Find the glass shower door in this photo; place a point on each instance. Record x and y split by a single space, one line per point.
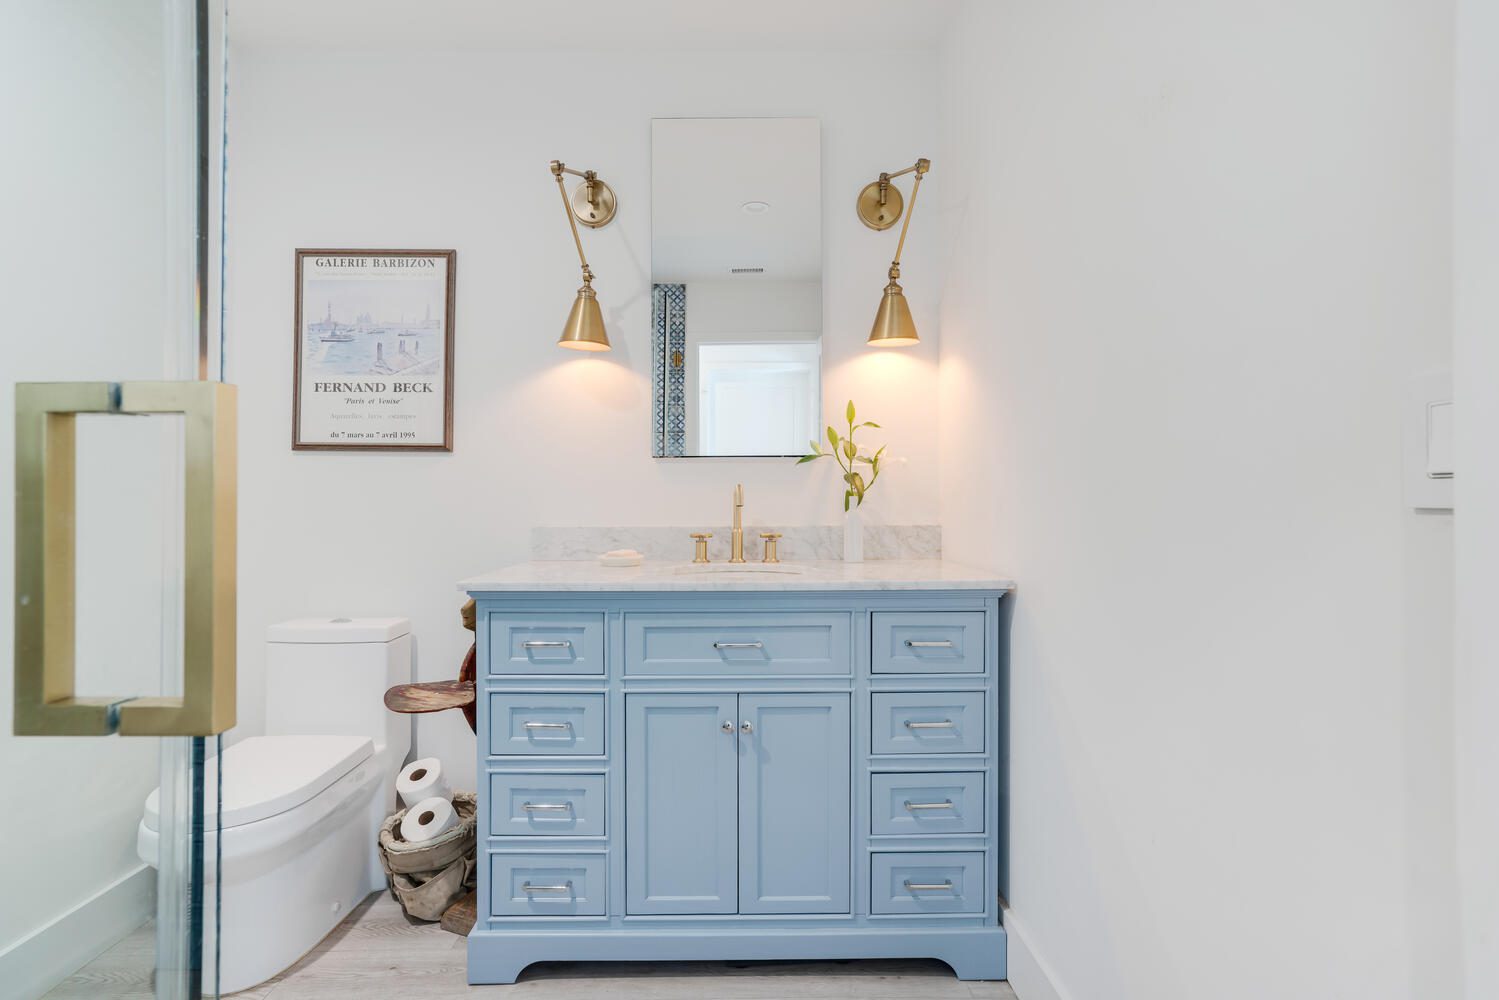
117 472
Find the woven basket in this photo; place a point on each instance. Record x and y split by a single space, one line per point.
429 877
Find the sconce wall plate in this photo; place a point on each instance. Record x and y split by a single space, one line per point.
594 208
877 213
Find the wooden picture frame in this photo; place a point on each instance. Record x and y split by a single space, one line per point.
364 374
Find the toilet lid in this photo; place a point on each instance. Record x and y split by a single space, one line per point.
267 775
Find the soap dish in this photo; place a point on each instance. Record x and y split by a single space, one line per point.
621 557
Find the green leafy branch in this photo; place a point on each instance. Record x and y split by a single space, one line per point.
843 448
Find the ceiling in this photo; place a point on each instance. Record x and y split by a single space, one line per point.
704 171
654 25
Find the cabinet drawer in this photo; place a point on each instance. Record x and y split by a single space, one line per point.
927 642
546 805
927 882
542 724
753 643
546 644
543 885
938 802
928 722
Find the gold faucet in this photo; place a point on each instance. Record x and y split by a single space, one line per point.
736 542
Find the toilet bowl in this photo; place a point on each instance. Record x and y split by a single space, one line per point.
293 847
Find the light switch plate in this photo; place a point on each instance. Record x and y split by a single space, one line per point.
1439 440
1428 441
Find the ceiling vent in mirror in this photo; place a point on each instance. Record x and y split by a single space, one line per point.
746 270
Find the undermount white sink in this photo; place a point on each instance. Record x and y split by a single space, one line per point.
714 569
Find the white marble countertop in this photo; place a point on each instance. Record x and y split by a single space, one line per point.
653 576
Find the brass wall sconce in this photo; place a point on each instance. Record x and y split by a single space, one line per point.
880 206
593 204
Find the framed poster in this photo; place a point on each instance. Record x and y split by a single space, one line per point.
374 351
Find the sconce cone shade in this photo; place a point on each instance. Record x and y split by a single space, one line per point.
585 324
893 325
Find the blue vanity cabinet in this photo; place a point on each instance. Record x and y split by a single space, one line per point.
736 775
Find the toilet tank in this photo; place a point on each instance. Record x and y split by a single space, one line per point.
329 676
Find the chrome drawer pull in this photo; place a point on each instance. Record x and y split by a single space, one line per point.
944 724
929 643
546 644
928 886
546 725
564 887
739 645
913 806
547 806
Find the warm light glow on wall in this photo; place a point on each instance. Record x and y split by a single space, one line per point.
880 372
587 379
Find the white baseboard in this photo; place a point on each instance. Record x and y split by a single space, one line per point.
1028 973
50 954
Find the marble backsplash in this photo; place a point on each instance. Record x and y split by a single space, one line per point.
805 543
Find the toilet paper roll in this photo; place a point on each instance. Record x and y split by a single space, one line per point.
422 779
428 819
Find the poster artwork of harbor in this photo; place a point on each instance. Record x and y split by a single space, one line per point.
372 348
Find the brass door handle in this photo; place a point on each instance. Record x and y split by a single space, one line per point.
46 543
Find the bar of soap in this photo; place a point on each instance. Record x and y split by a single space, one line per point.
621 557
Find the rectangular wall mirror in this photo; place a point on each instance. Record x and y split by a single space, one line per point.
736 286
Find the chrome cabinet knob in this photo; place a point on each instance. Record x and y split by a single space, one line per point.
727 726
746 727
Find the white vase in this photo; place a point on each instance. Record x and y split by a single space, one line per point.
853 535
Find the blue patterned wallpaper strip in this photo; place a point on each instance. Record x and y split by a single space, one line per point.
676 371
658 371
669 379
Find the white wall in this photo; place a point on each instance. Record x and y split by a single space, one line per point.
1196 249
1475 361
450 150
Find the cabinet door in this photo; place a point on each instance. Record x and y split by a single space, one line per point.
681 803
794 837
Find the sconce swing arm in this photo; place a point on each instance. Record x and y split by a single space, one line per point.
919 168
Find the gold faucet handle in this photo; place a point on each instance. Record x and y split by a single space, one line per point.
771 537
700 550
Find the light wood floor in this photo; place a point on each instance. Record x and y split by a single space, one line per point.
377 953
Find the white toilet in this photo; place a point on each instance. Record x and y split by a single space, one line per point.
302 805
